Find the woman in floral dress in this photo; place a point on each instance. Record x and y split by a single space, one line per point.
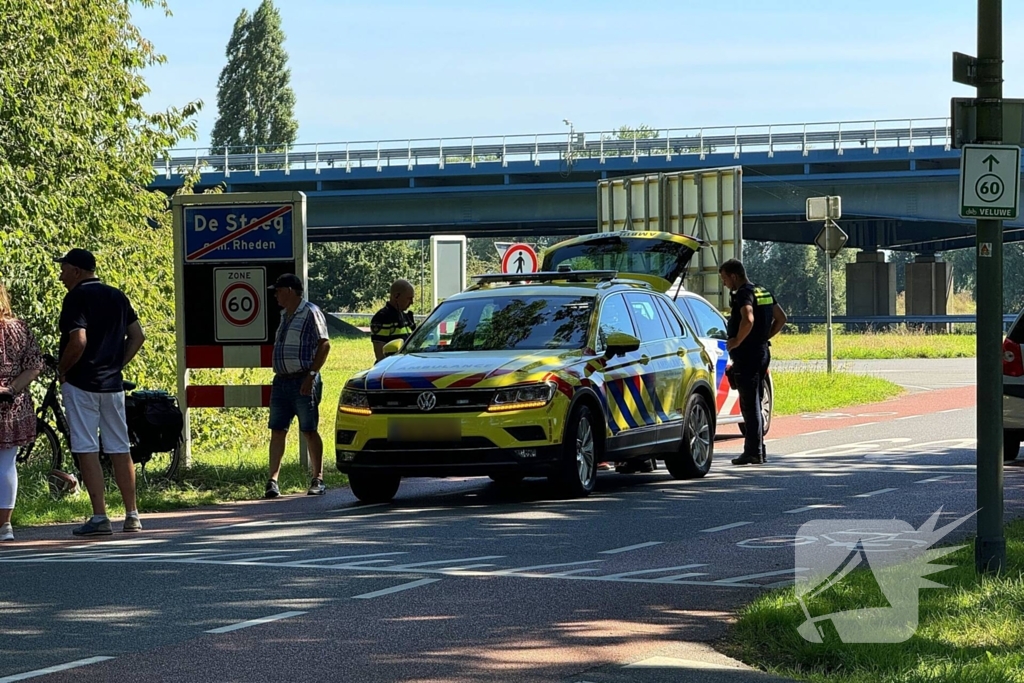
20 364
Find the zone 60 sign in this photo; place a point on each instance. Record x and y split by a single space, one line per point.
239 297
989 181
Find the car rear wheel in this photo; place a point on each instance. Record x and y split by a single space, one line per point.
580 447
1011 445
766 409
697 449
374 487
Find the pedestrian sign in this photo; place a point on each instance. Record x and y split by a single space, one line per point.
519 258
990 181
241 309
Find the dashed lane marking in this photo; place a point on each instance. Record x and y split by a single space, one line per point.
255 622
395 589
874 493
934 479
638 546
53 669
808 508
724 527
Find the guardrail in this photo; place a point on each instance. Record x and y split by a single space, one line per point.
567 148
880 320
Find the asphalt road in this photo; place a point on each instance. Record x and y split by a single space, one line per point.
458 580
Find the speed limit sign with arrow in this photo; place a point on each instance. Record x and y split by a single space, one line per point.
240 304
990 181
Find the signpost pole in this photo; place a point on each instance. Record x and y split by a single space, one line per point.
990 548
828 298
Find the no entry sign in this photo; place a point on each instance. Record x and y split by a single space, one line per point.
519 258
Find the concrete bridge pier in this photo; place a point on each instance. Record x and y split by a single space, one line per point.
929 288
870 285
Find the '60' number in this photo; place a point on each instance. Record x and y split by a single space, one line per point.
989 187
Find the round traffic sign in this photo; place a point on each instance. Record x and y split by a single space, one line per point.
240 304
990 187
519 258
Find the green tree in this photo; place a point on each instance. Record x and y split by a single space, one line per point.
796 274
965 274
76 155
356 276
255 101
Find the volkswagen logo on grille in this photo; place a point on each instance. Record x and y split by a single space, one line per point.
426 401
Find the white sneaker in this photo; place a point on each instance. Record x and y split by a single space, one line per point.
6 532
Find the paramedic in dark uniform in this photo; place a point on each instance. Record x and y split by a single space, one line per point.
754 319
395 320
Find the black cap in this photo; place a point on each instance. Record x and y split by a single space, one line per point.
287 281
79 258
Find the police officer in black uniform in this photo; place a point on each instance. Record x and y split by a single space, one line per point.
394 320
755 318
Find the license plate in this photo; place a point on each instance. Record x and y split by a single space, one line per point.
436 429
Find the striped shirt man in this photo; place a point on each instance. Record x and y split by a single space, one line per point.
298 338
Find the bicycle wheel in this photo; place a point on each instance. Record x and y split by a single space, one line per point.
45 448
164 465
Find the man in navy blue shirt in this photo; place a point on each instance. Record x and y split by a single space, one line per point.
99 334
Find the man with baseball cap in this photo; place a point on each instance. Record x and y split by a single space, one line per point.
300 350
99 334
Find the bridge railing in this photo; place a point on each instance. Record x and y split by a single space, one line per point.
500 150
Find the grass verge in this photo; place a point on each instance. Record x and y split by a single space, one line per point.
970 632
867 346
811 391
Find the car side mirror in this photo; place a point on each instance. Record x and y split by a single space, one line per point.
393 347
620 343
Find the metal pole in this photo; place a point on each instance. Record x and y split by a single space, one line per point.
990 548
828 297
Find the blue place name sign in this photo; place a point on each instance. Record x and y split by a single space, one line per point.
243 232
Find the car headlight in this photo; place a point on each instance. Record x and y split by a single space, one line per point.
523 397
354 402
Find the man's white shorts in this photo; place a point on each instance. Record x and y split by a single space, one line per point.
93 416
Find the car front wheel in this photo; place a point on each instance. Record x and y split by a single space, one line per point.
580 447
697 448
374 487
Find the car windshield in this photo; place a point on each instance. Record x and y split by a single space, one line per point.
662 258
504 322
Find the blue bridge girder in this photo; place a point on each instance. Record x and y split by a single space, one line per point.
898 180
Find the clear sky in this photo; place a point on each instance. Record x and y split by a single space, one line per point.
395 69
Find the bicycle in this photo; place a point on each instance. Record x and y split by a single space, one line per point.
48 445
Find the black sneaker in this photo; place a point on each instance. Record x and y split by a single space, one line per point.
272 490
744 460
316 487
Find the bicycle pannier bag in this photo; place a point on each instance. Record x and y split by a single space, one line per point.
154 421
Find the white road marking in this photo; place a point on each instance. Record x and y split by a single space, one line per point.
545 566
357 508
724 527
303 563
867 424
747 577
616 551
908 417
671 579
395 589
874 493
951 410
820 431
652 571
255 622
414 565
934 479
808 508
53 669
